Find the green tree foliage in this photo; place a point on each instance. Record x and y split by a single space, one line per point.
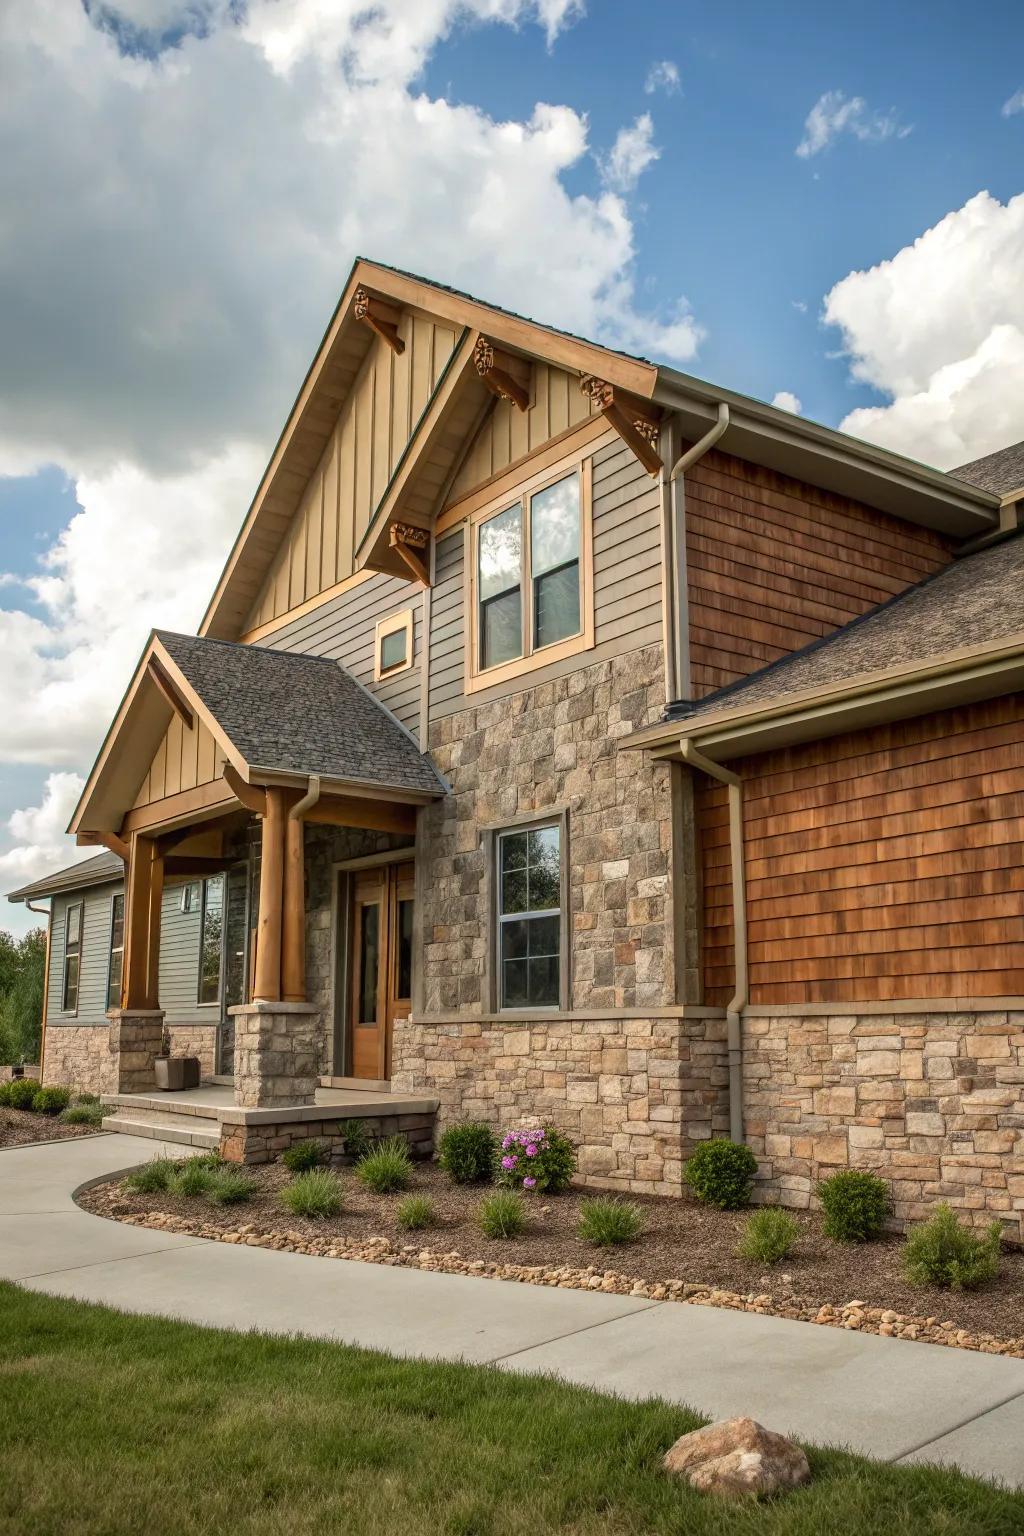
22 964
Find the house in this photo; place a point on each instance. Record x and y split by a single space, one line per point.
570 739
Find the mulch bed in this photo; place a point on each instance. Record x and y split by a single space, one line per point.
20 1128
685 1246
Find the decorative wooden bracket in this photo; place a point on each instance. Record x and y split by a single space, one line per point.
409 544
638 430
496 369
170 692
251 795
380 317
105 840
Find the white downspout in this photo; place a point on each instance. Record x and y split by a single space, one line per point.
734 1010
678 674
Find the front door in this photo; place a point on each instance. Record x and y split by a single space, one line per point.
381 970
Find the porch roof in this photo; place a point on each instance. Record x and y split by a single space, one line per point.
99 870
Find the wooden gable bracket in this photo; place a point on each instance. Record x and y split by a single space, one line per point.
110 840
497 370
637 427
410 544
380 317
252 796
170 692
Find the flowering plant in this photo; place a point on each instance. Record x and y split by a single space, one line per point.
538 1158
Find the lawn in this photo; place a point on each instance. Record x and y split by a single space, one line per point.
113 1424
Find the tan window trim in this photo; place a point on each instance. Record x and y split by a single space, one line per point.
391 626
477 678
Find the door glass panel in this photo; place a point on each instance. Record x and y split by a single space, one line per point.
212 939
369 963
404 967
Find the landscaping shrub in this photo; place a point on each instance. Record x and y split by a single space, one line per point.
768 1235
721 1173
5 1095
304 1156
151 1178
942 1251
22 1091
314 1193
87 1098
606 1220
83 1114
467 1153
192 1176
502 1214
228 1186
356 1140
387 1168
416 1212
540 1159
855 1205
50 1101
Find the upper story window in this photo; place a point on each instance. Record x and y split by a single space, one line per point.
72 957
211 946
530 902
116 960
531 585
393 645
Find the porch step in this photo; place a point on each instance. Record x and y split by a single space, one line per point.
165 1106
177 1130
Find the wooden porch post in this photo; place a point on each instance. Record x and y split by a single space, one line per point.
293 958
269 927
156 897
135 990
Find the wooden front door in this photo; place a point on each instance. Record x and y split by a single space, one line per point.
381 968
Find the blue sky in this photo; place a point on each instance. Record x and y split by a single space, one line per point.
188 207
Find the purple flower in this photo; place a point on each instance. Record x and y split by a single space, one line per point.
529 1183
531 1150
509 1162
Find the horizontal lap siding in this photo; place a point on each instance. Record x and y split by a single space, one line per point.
344 629
774 564
881 865
179 963
95 957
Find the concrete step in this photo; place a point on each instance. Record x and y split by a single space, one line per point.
165 1105
177 1130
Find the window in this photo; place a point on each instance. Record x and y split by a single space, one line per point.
529 905
189 898
530 582
72 957
393 649
211 944
116 960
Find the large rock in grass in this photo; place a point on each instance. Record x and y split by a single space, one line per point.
737 1457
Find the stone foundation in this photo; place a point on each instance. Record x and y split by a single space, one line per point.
932 1102
277 1053
635 1094
265 1143
133 1044
77 1056
195 1040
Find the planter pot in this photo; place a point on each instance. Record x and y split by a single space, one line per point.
176 1072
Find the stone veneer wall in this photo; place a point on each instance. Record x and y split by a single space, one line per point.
263 1143
635 1094
78 1056
195 1040
933 1102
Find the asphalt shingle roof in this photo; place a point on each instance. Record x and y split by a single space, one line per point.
977 599
999 472
301 714
95 871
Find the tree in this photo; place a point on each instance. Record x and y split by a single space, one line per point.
22 969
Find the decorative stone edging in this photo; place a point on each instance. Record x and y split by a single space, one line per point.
854 1315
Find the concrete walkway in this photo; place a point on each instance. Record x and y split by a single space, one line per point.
887 1398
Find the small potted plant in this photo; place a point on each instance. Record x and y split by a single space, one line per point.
173 1073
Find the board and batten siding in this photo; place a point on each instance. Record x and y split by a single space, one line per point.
627 584
774 564
370 436
884 864
508 434
184 759
344 629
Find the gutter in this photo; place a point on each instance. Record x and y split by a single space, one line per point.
673 563
734 1009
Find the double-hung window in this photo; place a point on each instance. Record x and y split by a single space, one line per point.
212 940
116 960
530 918
72 957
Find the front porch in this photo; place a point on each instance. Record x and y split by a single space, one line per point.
207 1118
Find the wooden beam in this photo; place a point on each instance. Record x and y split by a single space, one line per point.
380 317
251 795
374 815
171 692
135 963
269 926
118 845
196 866
293 952
410 544
156 899
497 371
637 428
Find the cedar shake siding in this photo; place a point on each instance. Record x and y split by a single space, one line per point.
773 564
881 865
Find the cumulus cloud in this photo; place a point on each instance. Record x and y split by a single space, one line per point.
663 76
835 113
37 834
1014 104
785 400
633 151
939 328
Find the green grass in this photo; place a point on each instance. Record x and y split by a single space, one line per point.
388 1168
317 1192
115 1425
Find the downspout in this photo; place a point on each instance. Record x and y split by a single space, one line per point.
48 913
308 800
677 664
293 918
734 1010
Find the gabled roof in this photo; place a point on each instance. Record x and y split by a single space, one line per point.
101 870
1001 472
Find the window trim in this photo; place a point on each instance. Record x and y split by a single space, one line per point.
477 677
559 818
71 906
217 1001
391 626
117 896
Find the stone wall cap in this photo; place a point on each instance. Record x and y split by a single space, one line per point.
135 1013
262 1005
380 1108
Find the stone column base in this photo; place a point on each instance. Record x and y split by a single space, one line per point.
133 1044
276 1054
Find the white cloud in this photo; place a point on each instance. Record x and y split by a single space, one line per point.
663 76
835 113
1014 105
633 151
939 328
785 400
799 306
37 834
